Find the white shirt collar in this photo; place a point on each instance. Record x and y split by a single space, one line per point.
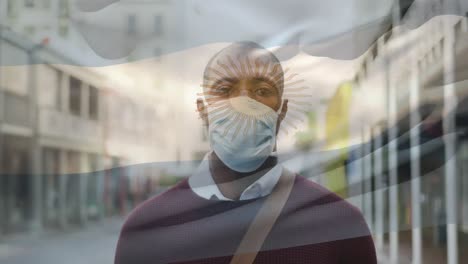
202 183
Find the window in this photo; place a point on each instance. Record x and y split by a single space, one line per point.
63 9
132 24
75 96
63 14
58 96
93 103
29 3
11 8
158 25
63 28
46 3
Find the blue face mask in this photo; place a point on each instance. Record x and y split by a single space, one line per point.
244 135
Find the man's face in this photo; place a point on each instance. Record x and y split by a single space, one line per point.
260 89
237 72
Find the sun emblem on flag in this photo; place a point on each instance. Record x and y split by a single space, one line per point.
244 115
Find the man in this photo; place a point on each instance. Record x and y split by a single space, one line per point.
238 202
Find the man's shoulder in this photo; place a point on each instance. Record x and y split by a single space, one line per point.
312 194
321 216
139 233
157 207
310 188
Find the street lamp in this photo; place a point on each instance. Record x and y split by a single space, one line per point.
2 110
35 152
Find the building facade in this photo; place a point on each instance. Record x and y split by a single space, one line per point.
66 136
416 78
79 143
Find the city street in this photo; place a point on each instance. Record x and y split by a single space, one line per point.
105 104
94 244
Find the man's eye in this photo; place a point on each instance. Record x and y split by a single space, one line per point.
262 92
223 90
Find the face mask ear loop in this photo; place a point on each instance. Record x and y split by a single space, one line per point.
205 105
281 108
277 127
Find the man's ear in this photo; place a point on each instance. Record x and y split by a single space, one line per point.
201 108
282 114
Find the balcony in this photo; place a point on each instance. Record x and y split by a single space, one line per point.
54 123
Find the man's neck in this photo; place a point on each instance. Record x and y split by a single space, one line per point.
232 183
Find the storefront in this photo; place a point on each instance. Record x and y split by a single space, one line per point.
15 183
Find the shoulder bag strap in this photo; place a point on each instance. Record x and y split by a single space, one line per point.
258 230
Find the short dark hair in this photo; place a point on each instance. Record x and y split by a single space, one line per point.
244 49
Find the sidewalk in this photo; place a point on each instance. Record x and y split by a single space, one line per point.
94 244
430 254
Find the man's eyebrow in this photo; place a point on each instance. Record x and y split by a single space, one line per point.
216 82
226 79
265 79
